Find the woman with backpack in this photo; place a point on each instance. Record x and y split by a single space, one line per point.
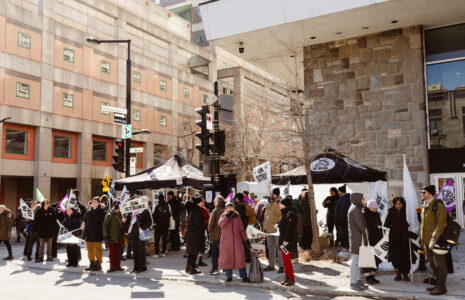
287 238
233 237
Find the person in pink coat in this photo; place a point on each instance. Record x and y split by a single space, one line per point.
232 240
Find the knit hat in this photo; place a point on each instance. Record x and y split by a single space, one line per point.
287 200
96 198
430 189
240 197
372 204
276 191
342 188
2 207
197 200
230 204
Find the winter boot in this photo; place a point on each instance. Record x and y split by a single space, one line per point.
438 291
398 276
91 267
97 266
290 282
371 280
9 257
405 276
285 280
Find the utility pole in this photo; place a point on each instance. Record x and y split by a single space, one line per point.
216 129
128 108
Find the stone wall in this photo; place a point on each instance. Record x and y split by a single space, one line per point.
367 97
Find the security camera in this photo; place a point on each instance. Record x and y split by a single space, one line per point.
241 47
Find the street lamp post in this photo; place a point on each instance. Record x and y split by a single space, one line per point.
94 40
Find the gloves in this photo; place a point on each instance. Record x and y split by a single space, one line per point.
432 243
285 243
230 214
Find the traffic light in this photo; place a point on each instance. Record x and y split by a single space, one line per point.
221 140
118 159
204 134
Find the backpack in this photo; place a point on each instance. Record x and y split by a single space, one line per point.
255 271
250 213
451 233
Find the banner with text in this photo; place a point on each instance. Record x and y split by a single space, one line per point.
262 173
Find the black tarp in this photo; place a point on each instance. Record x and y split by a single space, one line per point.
331 167
165 175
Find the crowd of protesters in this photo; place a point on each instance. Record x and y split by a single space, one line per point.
285 221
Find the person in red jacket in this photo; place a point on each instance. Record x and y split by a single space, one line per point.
206 218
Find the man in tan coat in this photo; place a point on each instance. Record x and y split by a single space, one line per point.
215 232
6 223
272 216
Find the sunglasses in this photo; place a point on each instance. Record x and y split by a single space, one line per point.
423 192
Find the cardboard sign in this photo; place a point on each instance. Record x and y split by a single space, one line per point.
134 205
381 249
262 173
27 212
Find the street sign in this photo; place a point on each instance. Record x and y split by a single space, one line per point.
132 163
136 150
126 131
106 183
107 109
119 118
209 122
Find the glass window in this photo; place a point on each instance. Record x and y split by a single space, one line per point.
136 115
136 76
445 43
99 151
16 141
68 55
200 39
158 156
23 90
205 98
163 121
24 40
62 146
105 67
163 86
225 91
185 92
68 100
102 111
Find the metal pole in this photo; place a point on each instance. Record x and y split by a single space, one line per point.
216 129
128 108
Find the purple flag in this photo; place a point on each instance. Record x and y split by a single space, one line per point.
447 195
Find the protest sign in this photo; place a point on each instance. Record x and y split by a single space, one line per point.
381 249
27 212
134 205
262 173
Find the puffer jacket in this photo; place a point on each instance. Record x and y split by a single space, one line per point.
430 228
272 215
93 221
213 228
357 225
6 223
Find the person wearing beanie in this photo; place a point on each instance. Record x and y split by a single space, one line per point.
113 233
287 237
375 234
6 224
340 217
161 220
215 231
271 219
195 234
93 234
357 236
233 239
433 224
71 222
398 253
330 204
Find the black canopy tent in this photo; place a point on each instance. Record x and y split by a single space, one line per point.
331 167
166 175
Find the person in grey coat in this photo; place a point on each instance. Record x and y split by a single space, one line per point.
357 231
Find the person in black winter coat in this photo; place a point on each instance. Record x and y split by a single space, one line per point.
398 253
287 237
32 236
375 234
93 234
161 220
340 217
44 223
72 221
195 234
176 208
330 204
143 220
20 223
242 210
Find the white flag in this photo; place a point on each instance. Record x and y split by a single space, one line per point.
411 201
287 189
262 173
124 195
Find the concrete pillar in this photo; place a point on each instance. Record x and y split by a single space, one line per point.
84 165
42 164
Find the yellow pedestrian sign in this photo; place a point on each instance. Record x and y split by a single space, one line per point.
106 183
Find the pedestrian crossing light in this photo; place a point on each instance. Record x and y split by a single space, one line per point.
118 159
203 134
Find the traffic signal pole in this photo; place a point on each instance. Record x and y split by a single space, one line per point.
128 109
216 129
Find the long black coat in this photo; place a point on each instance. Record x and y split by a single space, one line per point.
195 234
72 222
144 221
161 216
287 228
330 203
373 220
398 252
45 223
93 221
176 207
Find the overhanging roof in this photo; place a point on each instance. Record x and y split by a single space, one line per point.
272 30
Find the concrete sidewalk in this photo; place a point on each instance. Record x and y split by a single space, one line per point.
314 278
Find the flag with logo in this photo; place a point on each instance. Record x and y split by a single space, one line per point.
39 196
124 195
447 195
287 189
64 203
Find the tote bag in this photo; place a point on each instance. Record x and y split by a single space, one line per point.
366 256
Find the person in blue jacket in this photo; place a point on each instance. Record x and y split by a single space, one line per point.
340 218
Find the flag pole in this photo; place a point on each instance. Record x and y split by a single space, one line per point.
410 256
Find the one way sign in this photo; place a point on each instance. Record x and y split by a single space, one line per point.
119 118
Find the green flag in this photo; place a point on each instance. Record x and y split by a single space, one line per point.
39 196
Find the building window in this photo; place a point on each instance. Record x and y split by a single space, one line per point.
185 92
273 121
136 115
163 121
23 90
435 122
62 146
163 86
16 141
99 151
185 126
105 67
67 100
225 65
200 39
68 55
225 91
24 40
136 77
205 99
158 156
102 110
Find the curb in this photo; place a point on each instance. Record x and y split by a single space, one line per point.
313 290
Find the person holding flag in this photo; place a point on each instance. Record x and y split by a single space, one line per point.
433 224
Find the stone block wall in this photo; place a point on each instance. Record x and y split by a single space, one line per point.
367 100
